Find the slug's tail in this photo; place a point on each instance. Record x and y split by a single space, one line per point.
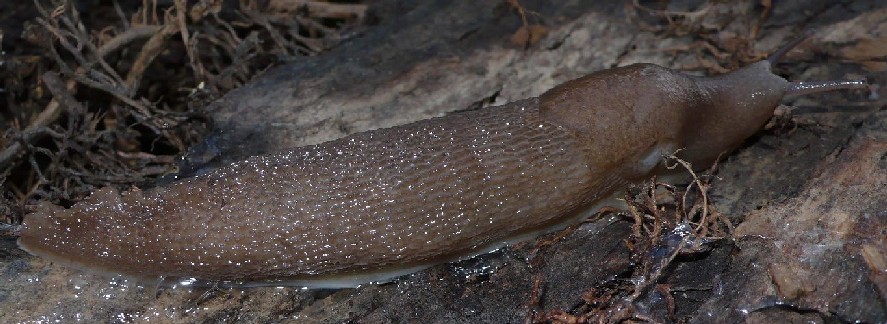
60 235
30 238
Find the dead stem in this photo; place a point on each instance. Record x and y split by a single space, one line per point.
699 184
533 304
27 136
713 31
641 287
135 135
636 214
691 17
321 9
756 28
199 72
656 240
275 35
153 47
657 218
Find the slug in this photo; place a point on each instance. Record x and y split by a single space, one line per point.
375 205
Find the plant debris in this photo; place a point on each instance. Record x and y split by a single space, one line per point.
669 222
111 96
725 34
528 34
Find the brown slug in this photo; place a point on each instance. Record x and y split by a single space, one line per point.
382 203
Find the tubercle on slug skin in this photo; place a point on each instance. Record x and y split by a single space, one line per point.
386 202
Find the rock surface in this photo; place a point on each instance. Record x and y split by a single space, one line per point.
811 240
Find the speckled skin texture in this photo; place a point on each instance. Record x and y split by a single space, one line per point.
381 200
376 204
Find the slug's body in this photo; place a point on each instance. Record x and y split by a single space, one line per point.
387 202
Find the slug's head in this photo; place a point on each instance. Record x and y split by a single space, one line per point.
737 104
731 108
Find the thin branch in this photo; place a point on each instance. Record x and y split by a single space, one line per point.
153 47
46 117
